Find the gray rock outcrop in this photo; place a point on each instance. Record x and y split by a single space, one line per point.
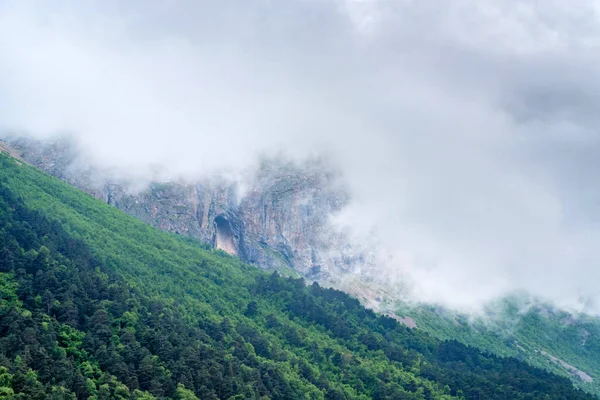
280 221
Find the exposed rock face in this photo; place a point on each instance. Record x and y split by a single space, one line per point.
568 367
406 321
280 221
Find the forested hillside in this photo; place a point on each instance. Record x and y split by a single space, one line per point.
95 304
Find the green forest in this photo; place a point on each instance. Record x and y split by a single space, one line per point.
94 304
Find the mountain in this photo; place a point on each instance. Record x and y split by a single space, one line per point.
280 221
96 304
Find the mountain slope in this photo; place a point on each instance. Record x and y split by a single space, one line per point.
280 224
543 336
96 304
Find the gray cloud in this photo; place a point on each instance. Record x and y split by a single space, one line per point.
466 129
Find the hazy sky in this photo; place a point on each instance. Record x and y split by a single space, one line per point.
466 129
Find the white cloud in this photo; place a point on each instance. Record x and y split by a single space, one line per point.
453 122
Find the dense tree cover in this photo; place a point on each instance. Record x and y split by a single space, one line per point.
95 304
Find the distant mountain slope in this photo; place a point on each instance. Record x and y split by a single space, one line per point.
95 304
565 343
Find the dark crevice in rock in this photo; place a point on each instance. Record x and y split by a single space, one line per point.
224 238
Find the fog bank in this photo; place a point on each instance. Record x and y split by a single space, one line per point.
465 130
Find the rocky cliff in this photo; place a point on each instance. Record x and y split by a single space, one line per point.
281 219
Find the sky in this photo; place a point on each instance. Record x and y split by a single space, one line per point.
465 130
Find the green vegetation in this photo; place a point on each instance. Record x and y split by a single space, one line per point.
520 327
95 304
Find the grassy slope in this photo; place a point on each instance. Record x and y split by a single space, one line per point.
509 329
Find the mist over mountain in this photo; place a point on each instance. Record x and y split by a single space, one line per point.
464 131
96 304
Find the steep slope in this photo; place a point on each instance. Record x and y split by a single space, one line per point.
96 304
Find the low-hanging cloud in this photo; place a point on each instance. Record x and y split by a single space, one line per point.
466 130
